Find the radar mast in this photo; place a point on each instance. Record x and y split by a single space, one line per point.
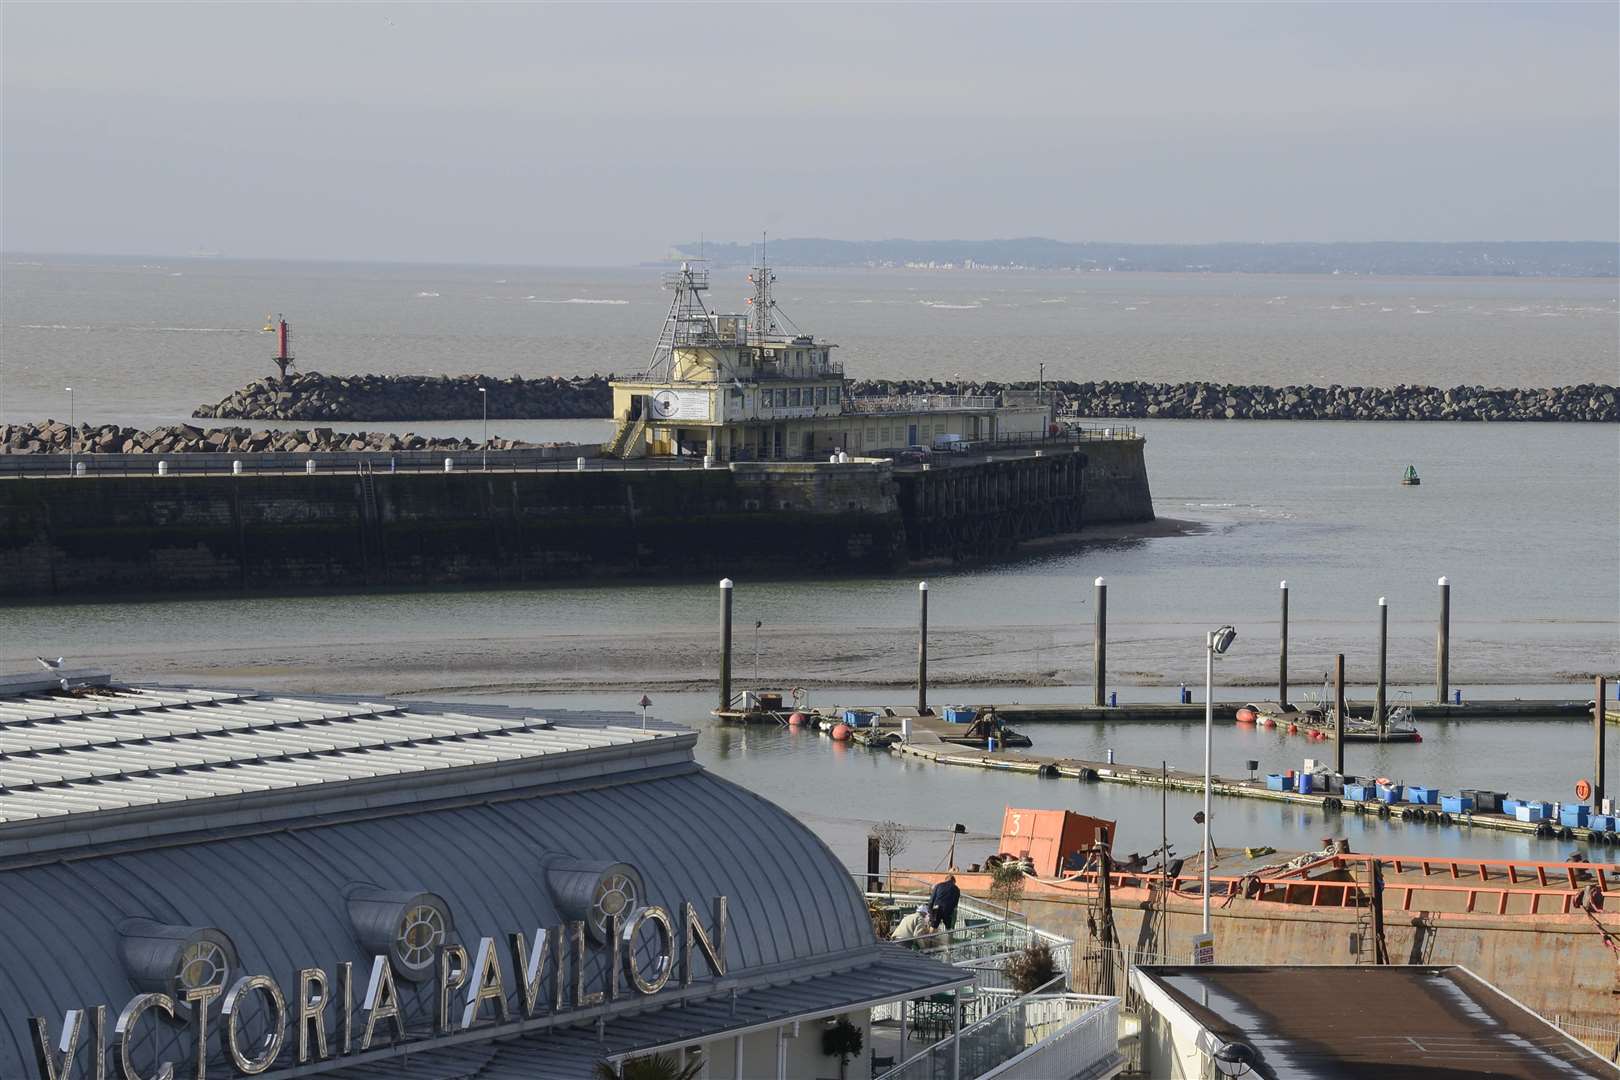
687 321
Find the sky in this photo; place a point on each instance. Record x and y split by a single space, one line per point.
596 134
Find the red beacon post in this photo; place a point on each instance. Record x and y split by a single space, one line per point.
284 356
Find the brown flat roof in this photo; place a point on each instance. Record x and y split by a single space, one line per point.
1364 1022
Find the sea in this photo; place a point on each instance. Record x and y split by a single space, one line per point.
1523 519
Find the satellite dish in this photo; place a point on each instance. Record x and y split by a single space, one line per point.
1234 1058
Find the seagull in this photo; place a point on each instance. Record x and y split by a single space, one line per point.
49 665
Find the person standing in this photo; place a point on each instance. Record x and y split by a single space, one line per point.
942 903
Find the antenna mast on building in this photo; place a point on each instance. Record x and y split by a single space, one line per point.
688 320
762 306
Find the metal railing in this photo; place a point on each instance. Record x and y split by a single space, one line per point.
1048 1034
288 463
1549 888
905 403
1086 1043
1602 1038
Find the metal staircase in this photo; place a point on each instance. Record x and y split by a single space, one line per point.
629 439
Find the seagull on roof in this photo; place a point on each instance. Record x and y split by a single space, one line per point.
49 665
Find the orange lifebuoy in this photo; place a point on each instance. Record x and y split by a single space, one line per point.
1583 790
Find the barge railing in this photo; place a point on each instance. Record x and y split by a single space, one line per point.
1549 888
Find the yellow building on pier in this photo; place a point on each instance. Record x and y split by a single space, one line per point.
738 388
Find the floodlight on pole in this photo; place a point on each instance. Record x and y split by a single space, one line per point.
1216 641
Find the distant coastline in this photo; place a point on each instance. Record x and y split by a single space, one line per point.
1483 258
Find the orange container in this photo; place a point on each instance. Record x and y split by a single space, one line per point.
1048 837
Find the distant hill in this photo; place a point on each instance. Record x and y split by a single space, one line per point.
1510 258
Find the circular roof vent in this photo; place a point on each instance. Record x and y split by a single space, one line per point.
407 926
591 891
167 959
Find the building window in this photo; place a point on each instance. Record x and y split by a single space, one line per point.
793 396
821 395
832 394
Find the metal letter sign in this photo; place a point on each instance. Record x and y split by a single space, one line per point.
652 931
679 404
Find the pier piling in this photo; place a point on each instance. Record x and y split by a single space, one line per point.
1338 714
725 643
1442 645
1099 645
1383 664
1282 651
1599 785
922 647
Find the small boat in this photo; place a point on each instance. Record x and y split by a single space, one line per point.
1410 478
766 707
1316 721
1267 714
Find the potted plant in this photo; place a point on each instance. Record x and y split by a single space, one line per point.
1031 968
652 1067
843 1040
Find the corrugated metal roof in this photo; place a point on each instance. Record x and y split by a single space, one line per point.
115 748
274 875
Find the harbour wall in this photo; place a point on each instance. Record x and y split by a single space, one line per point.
313 396
1116 487
266 531
98 535
1557 965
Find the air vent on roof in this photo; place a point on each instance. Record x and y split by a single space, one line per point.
166 959
590 891
407 926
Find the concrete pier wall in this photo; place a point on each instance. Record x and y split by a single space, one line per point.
1116 482
99 535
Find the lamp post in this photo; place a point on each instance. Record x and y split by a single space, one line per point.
1216 641
645 703
73 429
483 395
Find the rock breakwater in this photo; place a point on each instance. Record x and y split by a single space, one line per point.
312 396
55 437
1588 402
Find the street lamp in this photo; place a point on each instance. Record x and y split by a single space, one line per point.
483 395
645 703
1216 641
73 429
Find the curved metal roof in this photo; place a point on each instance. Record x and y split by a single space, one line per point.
277 888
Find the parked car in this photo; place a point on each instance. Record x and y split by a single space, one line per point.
903 455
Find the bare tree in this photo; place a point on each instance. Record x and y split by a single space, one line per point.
1007 884
892 838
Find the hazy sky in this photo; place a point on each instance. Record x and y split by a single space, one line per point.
578 134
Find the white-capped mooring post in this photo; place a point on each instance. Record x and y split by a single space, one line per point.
1099 644
1338 713
1383 664
1599 777
922 646
725 643
1282 650
1442 645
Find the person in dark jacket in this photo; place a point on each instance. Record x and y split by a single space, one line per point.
942 903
